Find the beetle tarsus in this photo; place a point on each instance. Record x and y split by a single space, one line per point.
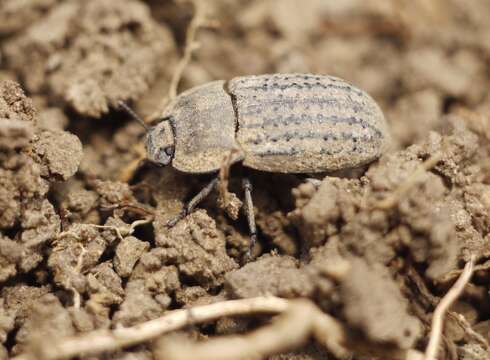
191 205
249 208
251 245
171 223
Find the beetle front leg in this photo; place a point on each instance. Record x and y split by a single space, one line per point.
249 208
191 205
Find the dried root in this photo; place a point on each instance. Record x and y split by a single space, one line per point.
288 331
122 232
199 20
299 320
442 308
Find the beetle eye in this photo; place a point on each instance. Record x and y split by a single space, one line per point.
169 150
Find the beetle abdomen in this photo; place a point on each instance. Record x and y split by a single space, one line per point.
301 123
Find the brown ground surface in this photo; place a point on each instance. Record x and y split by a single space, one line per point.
63 151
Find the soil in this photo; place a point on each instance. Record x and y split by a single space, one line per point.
85 246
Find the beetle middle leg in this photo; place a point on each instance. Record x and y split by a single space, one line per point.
249 209
191 205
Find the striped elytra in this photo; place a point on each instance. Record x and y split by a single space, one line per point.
300 123
287 123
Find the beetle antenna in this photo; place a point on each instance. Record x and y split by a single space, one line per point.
133 114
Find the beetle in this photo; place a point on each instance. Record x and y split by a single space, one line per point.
284 123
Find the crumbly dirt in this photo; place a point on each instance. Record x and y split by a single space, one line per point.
83 238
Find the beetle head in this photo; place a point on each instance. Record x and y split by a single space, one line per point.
160 143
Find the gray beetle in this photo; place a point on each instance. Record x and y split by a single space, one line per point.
285 123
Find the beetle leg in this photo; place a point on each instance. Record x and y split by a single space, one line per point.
191 205
249 208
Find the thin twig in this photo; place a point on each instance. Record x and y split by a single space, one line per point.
120 231
191 45
290 330
137 209
109 340
110 227
472 334
391 200
300 320
136 223
442 308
